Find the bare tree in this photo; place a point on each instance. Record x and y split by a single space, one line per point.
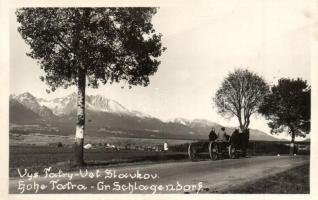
240 95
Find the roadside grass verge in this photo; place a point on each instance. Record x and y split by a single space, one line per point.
293 181
67 166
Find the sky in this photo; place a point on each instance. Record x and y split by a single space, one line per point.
205 42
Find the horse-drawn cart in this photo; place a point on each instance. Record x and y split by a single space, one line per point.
216 150
234 148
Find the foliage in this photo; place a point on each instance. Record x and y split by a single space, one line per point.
288 107
110 44
240 95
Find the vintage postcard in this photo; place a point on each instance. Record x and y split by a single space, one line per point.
116 100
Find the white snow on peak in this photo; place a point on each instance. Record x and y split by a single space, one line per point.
101 103
141 115
67 104
181 121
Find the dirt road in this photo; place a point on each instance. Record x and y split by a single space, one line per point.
175 177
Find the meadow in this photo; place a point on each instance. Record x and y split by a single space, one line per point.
37 151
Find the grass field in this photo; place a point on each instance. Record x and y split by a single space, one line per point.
294 181
35 151
38 139
36 158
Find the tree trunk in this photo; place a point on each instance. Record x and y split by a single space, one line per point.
80 124
292 149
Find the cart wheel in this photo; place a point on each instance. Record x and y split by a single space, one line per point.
192 152
232 152
213 151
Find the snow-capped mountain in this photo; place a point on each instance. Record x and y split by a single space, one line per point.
60 106
105 116
195 122
101 103
140 114
182 121
203 123
66 105
29 101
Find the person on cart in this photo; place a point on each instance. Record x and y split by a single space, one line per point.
222 139
212 136
235 138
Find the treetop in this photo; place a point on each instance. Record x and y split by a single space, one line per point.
110 44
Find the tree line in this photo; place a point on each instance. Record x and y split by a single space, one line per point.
286 105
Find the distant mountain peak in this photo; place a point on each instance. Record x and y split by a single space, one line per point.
26 95
110 116
31 102
101 103
181 120
67 104
194 122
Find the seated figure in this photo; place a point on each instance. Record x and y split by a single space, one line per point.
213 136
223 139
235 139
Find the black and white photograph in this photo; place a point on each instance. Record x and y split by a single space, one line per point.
201 98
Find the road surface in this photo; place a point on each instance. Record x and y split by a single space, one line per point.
176 177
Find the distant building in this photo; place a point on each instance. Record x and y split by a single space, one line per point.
165 146
87 146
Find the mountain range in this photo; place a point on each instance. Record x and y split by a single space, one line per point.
104 117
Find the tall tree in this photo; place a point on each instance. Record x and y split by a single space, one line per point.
240 95
97 45
287 107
